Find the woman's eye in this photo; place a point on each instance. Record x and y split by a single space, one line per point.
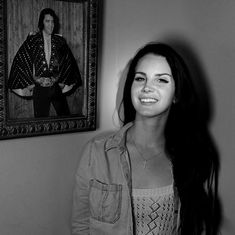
162 80
139 79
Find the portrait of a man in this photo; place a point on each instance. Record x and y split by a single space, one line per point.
48 77
45 68
46 59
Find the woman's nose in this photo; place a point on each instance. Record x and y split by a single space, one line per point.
147 87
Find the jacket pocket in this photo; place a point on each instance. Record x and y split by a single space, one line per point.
105 201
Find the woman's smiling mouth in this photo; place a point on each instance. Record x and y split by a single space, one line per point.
148 100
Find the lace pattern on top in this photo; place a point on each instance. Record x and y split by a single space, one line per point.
154 210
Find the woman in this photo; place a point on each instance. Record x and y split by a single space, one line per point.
150 176
45 68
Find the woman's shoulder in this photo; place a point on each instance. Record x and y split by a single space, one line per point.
103 137
113 136
109 139
96 146
105 140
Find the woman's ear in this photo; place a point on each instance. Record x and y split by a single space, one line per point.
174 100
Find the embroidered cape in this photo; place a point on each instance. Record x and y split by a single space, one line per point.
30 62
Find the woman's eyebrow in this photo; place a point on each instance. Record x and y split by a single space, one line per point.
157 74
163 74
142 73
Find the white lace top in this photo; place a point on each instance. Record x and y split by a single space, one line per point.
154 210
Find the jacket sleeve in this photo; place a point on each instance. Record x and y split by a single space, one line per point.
80 210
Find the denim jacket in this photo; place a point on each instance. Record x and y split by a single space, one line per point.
102 202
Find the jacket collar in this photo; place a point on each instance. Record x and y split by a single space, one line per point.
118 139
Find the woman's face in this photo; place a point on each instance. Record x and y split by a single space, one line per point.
153 87
48 24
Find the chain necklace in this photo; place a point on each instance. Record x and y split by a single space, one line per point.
145 161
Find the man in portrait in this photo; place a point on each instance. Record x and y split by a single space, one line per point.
44 68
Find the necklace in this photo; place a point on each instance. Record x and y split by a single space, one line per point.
145 161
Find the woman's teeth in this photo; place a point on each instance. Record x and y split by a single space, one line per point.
148 100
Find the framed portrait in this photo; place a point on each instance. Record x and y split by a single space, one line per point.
48 67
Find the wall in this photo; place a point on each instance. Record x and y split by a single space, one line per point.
36 174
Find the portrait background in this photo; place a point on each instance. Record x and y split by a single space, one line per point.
22 18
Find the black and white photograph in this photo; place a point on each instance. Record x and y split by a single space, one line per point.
51 54
117 117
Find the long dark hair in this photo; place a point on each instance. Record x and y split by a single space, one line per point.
193 155
48 11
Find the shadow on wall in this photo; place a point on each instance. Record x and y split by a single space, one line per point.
205 105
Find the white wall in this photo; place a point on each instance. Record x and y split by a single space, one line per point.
36 174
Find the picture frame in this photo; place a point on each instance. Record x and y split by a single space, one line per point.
80 30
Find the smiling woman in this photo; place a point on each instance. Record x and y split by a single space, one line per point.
153 88
147 178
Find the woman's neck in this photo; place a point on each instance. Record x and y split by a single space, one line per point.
148 133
